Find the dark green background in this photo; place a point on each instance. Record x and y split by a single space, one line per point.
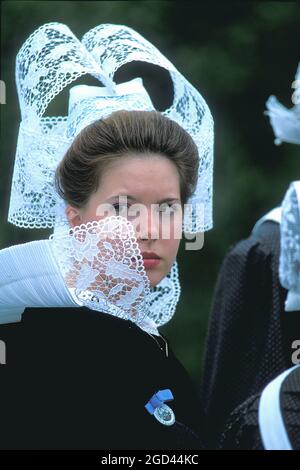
236 54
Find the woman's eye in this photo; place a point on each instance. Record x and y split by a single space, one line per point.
162 209
119 207
167 209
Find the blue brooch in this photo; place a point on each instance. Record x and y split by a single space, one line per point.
162 412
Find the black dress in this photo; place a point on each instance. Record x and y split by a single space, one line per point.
78 379
250 335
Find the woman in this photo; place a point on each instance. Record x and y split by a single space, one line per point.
252 323
270 418
97 373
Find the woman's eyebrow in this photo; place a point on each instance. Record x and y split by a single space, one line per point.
168 199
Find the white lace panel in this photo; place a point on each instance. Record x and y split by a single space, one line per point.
289 263
91 108
163 298
50 59
40 148
103 269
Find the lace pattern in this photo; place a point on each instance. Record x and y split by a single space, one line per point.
103 269
289 263
50 59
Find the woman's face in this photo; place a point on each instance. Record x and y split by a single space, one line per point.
151 184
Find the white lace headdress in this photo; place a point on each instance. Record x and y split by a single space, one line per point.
49 60
289 261
286 122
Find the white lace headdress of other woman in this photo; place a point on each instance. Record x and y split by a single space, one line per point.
286 126
68 269
286 122
289 261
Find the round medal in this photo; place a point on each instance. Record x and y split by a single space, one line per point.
165 415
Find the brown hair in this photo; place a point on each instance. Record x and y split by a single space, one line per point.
79 173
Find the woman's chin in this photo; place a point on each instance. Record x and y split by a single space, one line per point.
154 277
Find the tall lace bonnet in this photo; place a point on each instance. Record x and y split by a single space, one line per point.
89 269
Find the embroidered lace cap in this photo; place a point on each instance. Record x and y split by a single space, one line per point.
50 59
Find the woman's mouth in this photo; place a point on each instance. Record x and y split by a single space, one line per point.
151 263
150 259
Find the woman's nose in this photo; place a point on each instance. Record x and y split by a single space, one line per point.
148 225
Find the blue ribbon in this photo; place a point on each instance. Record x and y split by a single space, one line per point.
158 400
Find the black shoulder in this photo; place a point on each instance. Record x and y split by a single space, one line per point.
265 239
84 332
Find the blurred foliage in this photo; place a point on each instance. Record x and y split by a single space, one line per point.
237 54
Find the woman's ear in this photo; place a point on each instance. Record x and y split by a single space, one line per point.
73 215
